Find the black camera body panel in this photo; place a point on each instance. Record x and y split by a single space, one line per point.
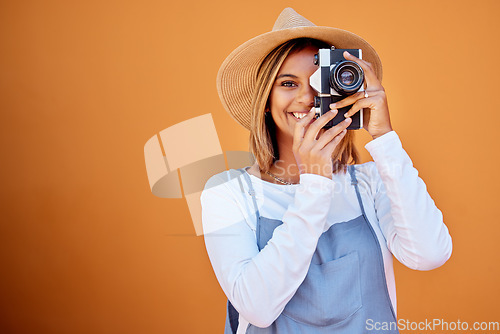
322 81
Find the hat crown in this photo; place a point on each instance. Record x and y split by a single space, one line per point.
289 18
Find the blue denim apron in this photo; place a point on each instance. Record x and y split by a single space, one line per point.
345 289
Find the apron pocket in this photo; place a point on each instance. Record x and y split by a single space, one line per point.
330 293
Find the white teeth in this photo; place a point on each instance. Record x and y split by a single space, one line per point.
299 115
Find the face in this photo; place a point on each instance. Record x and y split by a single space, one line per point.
292 97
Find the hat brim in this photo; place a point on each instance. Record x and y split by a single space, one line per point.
237 75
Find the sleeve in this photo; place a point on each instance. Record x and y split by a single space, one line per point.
260 284
409 219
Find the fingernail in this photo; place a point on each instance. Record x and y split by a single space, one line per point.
332 106
345 115
348 120
334 110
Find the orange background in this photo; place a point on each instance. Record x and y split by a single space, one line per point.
86 248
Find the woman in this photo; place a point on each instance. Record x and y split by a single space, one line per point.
302 241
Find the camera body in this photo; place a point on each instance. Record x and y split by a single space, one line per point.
336 79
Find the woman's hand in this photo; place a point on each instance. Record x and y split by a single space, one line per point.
373 101
313 153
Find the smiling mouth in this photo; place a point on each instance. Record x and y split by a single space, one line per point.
298 115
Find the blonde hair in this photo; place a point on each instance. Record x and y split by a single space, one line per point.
263 144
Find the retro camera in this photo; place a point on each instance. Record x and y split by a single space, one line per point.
336 79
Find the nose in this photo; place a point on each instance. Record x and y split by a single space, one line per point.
306 95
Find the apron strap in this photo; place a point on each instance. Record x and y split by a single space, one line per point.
354 182
233 317
251 191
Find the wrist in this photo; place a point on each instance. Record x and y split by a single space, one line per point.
381 133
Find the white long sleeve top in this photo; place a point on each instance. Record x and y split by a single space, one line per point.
259 284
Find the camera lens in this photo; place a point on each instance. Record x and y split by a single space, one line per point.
346 77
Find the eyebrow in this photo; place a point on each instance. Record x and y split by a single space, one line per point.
286 75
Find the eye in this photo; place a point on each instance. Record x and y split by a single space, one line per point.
288 84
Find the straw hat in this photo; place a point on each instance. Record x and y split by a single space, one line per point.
237 75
